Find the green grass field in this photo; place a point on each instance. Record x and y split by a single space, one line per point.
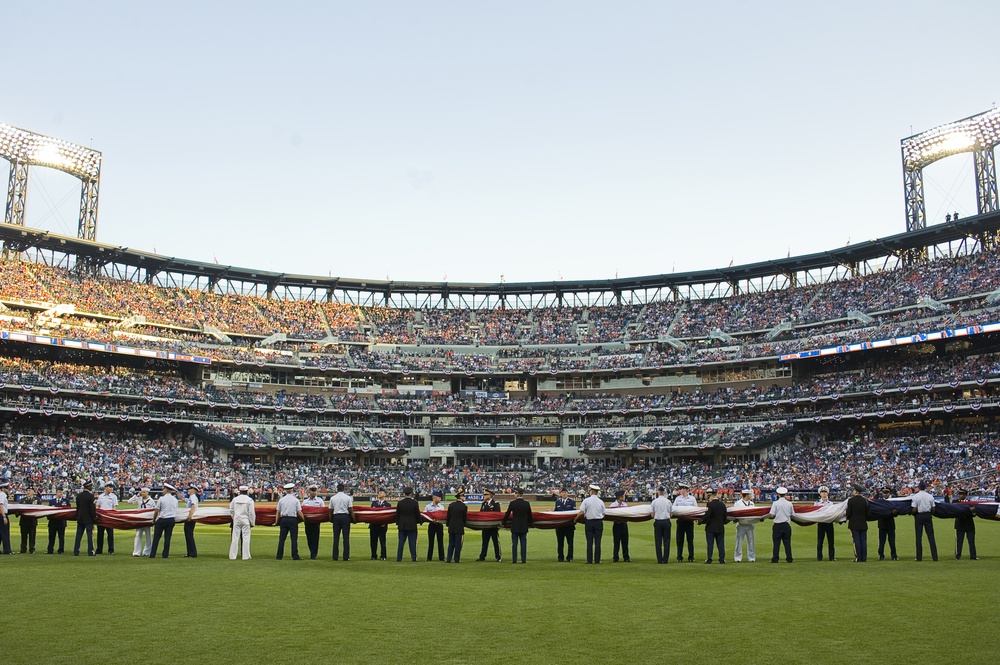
62 609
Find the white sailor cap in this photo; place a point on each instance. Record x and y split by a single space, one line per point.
244 488
824 488
596 488
168 486
782 490
289 486
746 490
143 489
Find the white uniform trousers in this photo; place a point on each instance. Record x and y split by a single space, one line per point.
243 531
138 549
744 531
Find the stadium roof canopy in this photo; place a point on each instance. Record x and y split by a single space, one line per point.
148 266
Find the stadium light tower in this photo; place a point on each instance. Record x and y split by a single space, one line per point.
977 134
23 149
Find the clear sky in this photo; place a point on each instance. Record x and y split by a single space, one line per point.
469 140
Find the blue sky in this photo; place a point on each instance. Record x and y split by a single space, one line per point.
469 140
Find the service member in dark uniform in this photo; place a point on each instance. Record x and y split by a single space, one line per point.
965 527
660 511
287 518
781 532
857 522
458 513
106 500
164 520
57 525
377 532
824 530
490 505
435 530
685 527
29 525
4 520
519 518
922 508
312 528
619 529
407 518
189 524
592 511
342 516
887 529
86 518
715 525
564 535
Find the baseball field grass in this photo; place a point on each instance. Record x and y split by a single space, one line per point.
120 609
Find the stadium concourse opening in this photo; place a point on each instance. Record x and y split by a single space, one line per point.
492 460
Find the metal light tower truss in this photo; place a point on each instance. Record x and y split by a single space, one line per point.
978 134
17 192
23 149
986 180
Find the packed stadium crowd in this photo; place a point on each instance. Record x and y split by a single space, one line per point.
899 458
872 376
520 359
237 315
337 336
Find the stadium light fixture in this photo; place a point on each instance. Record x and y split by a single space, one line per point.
978 134
24 149
975 133
20 145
